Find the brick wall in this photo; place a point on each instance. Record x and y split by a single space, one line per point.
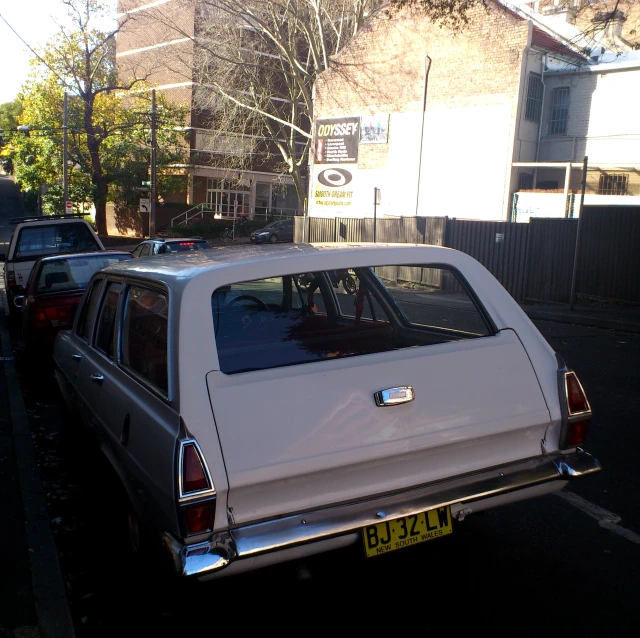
469 123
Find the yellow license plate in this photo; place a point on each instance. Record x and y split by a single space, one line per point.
406 531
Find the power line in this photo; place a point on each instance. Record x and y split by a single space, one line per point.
64 82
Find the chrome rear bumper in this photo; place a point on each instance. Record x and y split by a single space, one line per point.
465 491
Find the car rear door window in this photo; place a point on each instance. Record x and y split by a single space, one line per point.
105 327
308 317
88 310
144 336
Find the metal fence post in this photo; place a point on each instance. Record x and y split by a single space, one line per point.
575 253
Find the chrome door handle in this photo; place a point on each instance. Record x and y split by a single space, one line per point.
98 378
394 396
76 357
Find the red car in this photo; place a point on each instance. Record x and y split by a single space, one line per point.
53 292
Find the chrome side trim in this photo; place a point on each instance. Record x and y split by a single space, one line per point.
306 527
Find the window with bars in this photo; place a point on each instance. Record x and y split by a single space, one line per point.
533 105
559 114
613 184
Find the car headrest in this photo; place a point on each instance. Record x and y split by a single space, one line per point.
53 278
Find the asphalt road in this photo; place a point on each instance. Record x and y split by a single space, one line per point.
552 564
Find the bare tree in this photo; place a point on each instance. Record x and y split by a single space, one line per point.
255 63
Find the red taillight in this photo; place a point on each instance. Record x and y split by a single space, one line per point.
197 494
577 433
198 517
576 397
44 314
187 243
11 278
194 477
578 412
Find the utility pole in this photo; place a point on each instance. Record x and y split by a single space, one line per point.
574 275
152 194
65 151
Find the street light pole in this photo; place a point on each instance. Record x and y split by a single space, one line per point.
65 151
152 194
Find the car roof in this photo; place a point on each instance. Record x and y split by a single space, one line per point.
49 219
90 253
167 240
178 269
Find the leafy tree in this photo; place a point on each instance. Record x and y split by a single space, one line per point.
9 113
108 119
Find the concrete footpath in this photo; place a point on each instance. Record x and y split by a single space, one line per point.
33 601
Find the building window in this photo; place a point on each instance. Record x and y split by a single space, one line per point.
525 181
559 111
613 184
533 107
227 198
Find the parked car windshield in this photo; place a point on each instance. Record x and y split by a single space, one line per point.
38 241
73 273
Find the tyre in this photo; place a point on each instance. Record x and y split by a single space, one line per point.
349 284
273 239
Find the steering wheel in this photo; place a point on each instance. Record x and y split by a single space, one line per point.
258 302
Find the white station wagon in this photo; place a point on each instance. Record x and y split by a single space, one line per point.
261 404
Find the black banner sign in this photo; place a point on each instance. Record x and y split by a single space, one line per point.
337 140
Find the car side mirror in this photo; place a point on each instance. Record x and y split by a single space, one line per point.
18 301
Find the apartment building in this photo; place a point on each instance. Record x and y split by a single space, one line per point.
156 42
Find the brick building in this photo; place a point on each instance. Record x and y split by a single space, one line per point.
473 124
155 42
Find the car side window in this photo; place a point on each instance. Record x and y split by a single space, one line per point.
105 327
88 310
146 250
144 336
137 251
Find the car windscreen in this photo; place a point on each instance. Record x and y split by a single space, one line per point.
73 273
38 241
174 247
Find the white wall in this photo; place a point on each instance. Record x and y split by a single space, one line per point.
603 118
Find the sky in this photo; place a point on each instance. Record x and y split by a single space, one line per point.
35 22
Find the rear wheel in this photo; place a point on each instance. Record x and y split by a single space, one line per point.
273 239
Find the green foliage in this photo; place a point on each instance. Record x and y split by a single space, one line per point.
446 13
9 113
108 122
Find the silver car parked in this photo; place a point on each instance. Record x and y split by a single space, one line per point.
257 410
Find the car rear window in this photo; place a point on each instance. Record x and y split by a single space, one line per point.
73 273
38 241
176 247
306 317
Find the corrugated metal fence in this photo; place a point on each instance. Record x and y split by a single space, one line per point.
533 261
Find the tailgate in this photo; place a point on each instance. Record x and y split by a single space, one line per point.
305 436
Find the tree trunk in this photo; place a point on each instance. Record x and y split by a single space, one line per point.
100 203
94 140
